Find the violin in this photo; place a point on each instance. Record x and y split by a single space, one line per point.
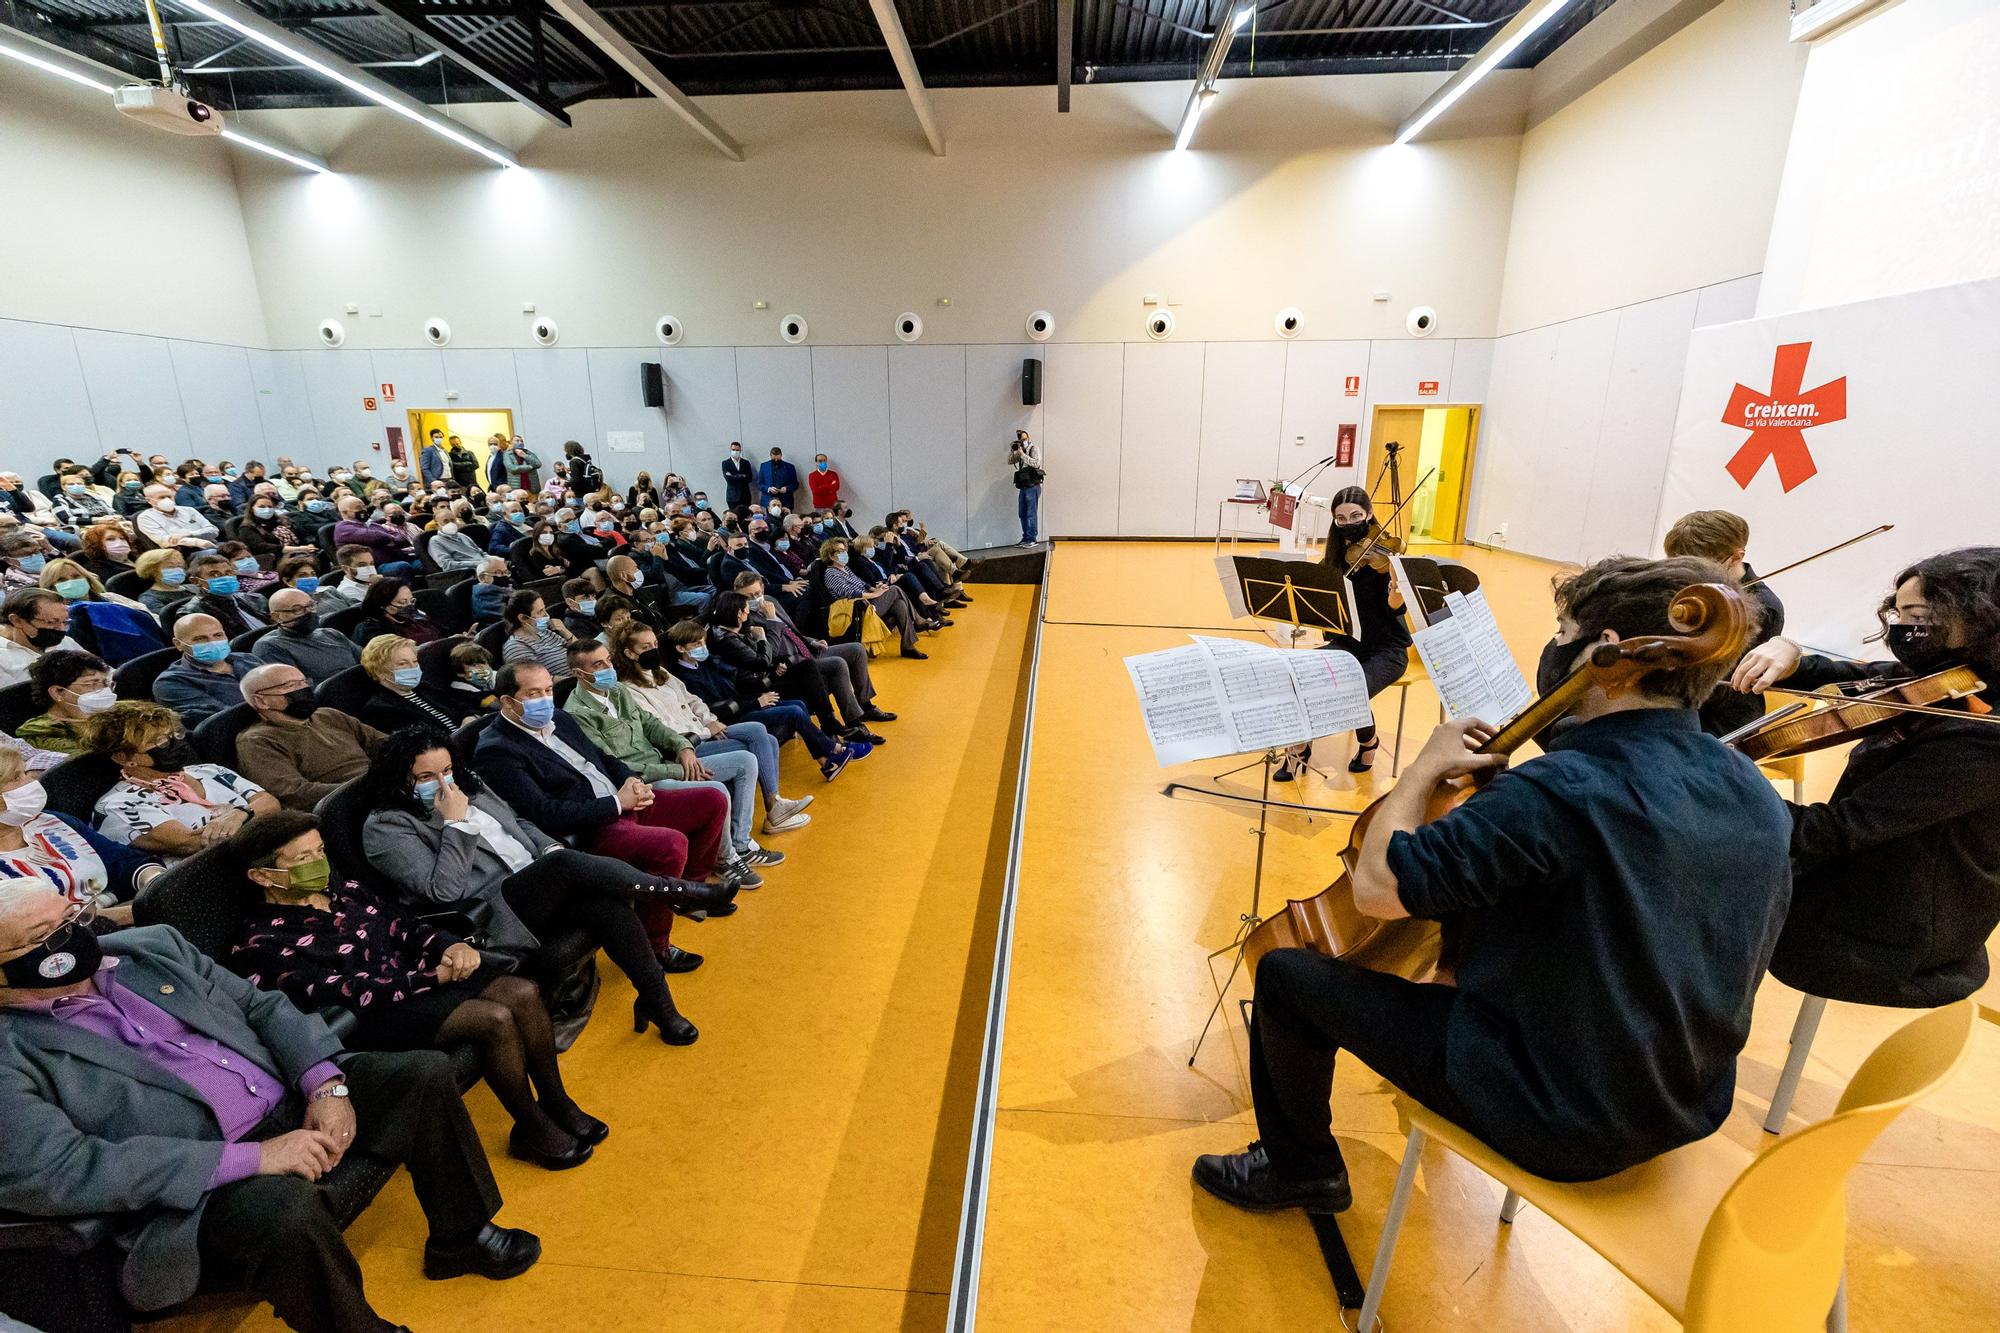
1375 552
1801 729
1709 621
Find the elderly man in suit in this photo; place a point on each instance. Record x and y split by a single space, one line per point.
138 1079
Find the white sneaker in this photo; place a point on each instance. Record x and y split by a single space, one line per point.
785 808
786 825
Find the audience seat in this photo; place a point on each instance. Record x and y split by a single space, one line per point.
18 703
435 657
215 737
432 602
74 785
134 680
342 622
458 605
345 690
127 583
243 642
493 639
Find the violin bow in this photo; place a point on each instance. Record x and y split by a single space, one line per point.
1382 527
1837 701
1837 546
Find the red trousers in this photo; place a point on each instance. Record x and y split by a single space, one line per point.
677 836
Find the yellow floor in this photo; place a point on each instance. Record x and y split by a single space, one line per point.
1093 1223
800 1167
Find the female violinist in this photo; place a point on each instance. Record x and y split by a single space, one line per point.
1896 879
1359 547
1611 929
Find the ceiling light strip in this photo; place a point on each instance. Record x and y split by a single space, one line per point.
352 77
291 155
1509 39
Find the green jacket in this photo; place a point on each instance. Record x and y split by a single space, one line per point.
635 737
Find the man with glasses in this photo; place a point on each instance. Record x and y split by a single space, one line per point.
141 1081
299 641
298 751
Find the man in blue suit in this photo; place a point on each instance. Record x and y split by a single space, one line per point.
432 462
777 480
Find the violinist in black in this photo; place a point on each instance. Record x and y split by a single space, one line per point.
1381 641
1896 879
1718 535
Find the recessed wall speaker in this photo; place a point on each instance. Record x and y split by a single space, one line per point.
332 333
668 330
792 328
1422 321
1160 325
1290 321
1031 381
908 327
1040 325
653 384
544 331
436 332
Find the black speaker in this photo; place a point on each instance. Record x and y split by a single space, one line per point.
1031 381
653 383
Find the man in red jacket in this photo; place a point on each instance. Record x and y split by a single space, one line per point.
824 483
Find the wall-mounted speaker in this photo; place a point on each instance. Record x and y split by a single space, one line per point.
1040 325
1160 325
1422 321
436 332
332 333
1031 381
653 383
544 331
909 327
792 328
1289 322
668 330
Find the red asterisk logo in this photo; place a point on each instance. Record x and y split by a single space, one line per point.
1778 420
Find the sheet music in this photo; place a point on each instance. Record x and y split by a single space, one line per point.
1257 691
1231 696
1455 672
1332 690
1180 704
1504 681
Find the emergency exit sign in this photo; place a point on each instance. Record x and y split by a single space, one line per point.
1427 388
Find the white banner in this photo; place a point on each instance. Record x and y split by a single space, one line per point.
1822 424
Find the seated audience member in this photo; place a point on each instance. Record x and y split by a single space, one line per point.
842 667
472 679
760 662
538 760
503 527
492 585
357 571
387 541
450 547
208 677
879 558
218 506
616 724
644 576
37 622
1718 535
580 608
207 1162
75 584
614 612
410 985
107 551
728 560
77 687
540 557
300 572
836 575
165 573
398 697
390 607
267 531
686 553
170 524
77 502
298 751
75 859
949 561
131 497
118 628
218 593
315 514
300 641
253 579
167 801
442 836
733 701
533 637
23 553
636 657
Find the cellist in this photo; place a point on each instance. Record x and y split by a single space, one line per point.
1612 931
1897 877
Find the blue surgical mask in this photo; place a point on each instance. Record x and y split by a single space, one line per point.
174 577
541 622
588 606
224 585
73 590
319 506
427 790
307 583
409 677
74 490
698 653
538 713
573 526
208 654
247 565
840 557
264 511
32 564
638 578
820 466
701 504
784 543
604 678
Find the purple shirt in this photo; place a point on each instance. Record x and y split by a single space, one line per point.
385 541
238 1090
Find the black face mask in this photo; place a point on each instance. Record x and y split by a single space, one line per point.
1555 663
65 958
304 625
1920 648
1352 532
301 704
650 659
46 639
173 756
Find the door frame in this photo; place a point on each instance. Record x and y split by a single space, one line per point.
1477 410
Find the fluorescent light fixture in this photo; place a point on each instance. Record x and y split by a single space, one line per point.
324 63
297 159
1243 15
1192 116
1525 25
51 60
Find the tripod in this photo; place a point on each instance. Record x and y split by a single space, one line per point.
1393 472
1250 920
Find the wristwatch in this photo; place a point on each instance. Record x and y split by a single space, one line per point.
335 1089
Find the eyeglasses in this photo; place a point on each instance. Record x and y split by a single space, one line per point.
80 914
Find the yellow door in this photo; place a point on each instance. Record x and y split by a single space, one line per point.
473 426
1402 427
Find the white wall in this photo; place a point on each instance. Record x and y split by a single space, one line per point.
1662 179
106 224
1892 183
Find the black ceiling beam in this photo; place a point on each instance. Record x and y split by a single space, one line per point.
1065 51
412 19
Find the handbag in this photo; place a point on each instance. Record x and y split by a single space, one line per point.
868 628
1027 475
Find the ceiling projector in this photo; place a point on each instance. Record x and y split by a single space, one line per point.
165 109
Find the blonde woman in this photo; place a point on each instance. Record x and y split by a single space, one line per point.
166 571
398 698
166 800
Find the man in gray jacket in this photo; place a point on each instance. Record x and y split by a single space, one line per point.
138 1079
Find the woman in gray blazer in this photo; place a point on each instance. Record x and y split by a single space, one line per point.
441 837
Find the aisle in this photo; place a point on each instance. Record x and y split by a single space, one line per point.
1093 1222
800 1166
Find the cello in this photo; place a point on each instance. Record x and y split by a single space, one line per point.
1709 621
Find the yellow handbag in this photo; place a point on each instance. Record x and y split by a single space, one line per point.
874 633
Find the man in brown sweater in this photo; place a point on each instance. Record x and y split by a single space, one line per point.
297 750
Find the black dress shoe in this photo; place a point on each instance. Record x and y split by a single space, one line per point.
697 901
675 1030
587 1128
576 1154
677 960
496 1252
863 734
873 714
1247 1180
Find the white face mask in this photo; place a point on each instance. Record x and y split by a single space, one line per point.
96 701
448 528
165 505
24 803
363 574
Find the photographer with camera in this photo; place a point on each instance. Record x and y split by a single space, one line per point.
1028 474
